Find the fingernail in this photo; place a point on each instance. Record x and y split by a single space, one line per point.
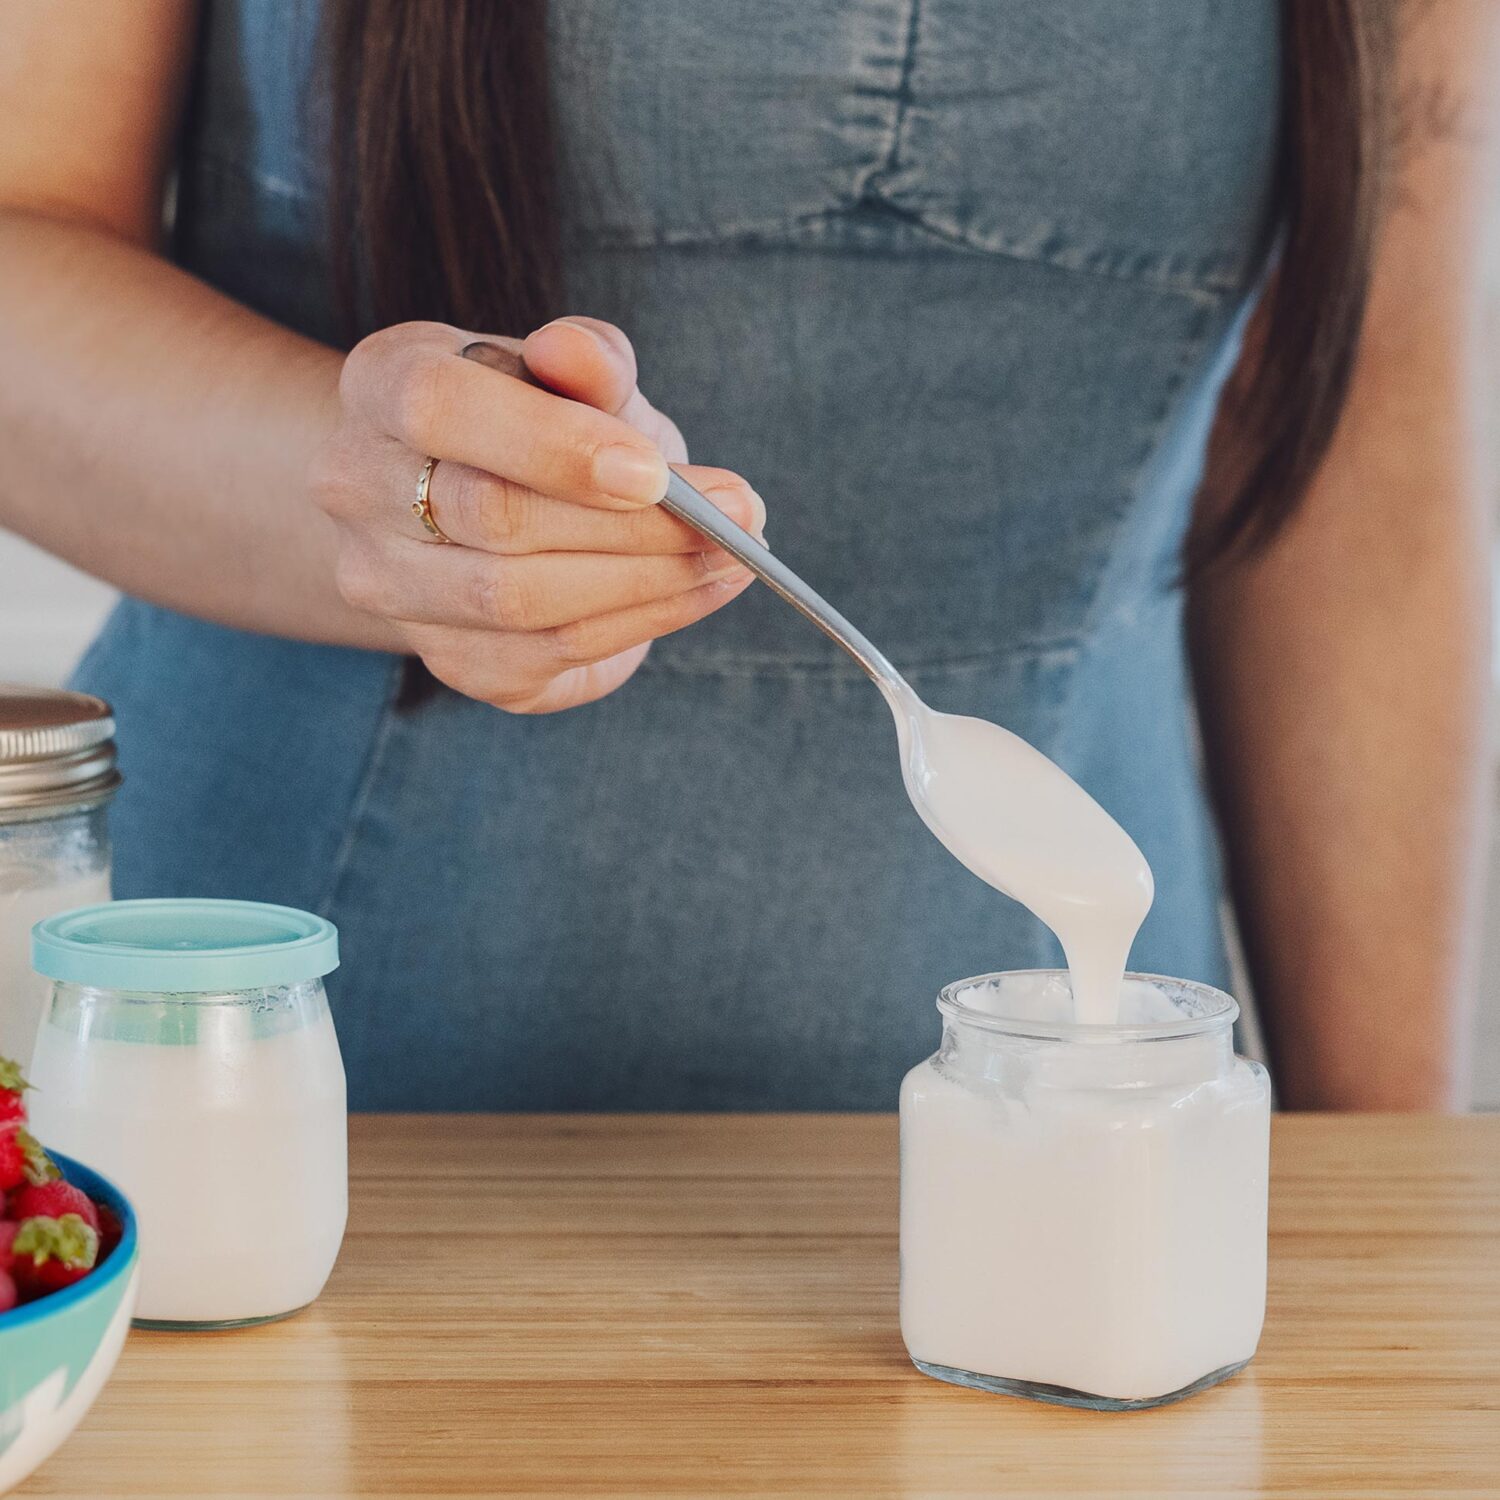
632 474
758 515
577 327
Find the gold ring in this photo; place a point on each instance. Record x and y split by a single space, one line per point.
421 507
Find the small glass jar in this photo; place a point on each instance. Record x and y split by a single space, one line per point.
57 775
188 1053
1083 1207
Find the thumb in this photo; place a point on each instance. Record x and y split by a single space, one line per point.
583 359
592 361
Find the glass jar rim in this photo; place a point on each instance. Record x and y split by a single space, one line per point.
253 995
60 809
1219 1012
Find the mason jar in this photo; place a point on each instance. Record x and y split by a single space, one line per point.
187 1053
1083 1207
57 775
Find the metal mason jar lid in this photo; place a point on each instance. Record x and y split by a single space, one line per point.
57 751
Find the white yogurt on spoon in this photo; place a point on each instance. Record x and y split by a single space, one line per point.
1015 819
1022 824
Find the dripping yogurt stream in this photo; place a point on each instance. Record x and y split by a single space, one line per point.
1022 824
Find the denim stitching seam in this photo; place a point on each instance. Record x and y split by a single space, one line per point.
359 804
903 95
1206 280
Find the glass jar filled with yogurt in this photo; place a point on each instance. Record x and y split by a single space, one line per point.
187 1053
57 775
1083 1207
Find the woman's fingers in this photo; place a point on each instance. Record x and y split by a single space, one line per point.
480 510
576 663
565 567
411 383
594 362
584 359
602 637
580 685
467 589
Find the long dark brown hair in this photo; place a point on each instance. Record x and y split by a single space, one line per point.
444 208
442 183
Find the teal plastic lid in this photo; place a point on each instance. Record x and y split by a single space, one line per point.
175 947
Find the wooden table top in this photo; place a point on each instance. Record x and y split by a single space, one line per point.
694 1306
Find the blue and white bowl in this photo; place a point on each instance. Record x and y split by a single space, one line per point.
56 1353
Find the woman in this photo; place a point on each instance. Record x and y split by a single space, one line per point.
957 287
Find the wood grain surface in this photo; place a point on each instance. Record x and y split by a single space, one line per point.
695 1306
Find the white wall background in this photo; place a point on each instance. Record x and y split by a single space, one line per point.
48 612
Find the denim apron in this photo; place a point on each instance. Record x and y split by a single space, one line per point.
955 284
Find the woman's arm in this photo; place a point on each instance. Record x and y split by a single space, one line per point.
154 433
1343 674
196 455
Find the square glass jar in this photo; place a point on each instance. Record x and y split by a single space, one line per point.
1083 1207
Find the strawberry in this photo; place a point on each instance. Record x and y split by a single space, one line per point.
9 1296
7 1233
111 1232
22 1159
12 1159
50 1254
52 1200
12 1086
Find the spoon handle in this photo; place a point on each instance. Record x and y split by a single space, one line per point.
684 502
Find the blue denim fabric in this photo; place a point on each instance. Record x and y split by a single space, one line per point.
955 284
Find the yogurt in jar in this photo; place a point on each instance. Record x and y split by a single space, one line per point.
1084 1161
57 776
1083 1208
219 1109
22 905
235 1161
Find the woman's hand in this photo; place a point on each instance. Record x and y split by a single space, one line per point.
565 569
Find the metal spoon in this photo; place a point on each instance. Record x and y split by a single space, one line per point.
996 803
993 801
687 504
